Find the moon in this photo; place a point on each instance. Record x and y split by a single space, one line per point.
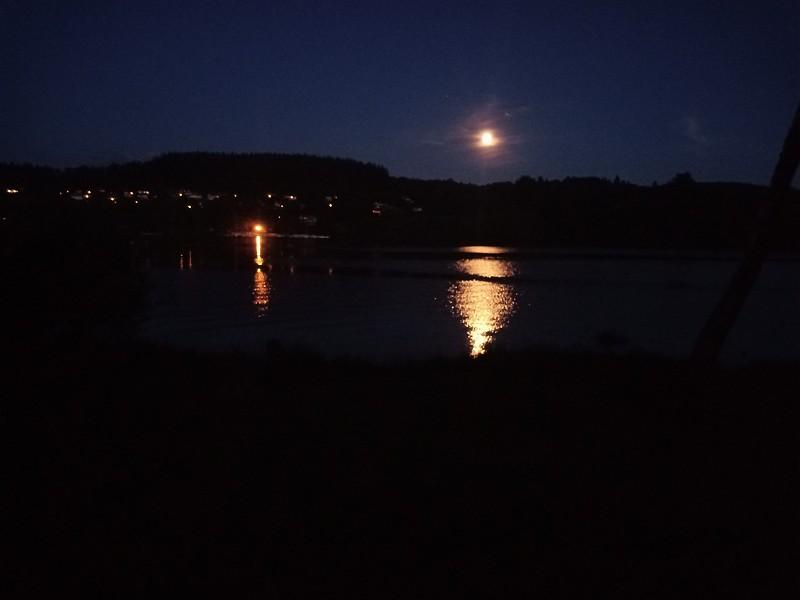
487 139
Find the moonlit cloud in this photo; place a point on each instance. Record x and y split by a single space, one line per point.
692 130
433 142
462 136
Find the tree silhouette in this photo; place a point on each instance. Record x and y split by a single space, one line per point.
682 179
709 343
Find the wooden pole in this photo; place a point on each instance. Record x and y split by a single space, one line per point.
709 343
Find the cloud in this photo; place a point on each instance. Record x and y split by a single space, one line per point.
461 134
693 131
512 112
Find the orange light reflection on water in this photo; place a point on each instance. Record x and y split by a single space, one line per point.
484 307
260 292
261 289
258 260
486 267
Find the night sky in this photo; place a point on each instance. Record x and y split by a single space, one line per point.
636 89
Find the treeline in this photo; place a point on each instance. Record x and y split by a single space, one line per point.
371 207
681 214
212 172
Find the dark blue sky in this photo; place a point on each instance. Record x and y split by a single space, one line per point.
639 89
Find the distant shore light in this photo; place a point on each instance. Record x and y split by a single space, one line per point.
258 228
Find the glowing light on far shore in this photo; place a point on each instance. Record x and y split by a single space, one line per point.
487 139
258 228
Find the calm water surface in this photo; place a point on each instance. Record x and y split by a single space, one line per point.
247 293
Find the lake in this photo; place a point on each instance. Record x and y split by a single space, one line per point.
248 293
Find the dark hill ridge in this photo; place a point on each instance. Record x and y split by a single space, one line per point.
238 171
576 211
212 171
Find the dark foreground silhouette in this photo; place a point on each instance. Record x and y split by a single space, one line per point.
535 473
